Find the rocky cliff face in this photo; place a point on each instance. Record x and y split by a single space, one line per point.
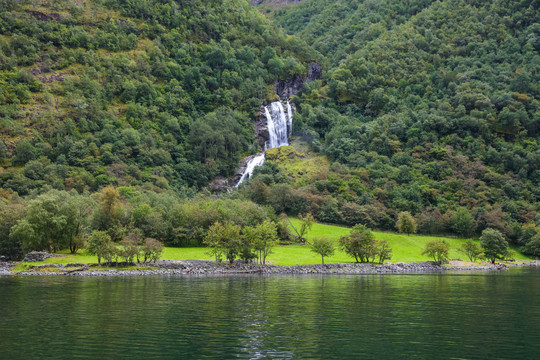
287 88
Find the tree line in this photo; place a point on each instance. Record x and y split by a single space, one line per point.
127 223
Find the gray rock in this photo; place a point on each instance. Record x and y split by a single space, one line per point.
286 88
39 256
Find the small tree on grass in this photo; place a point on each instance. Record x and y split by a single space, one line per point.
129 250
323 246
437 249
306 223
305 226
383 251
262 238
151 250
472 250
494 244
99 244
360 243
224 239
406 223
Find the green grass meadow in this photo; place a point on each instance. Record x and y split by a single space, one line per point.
404 249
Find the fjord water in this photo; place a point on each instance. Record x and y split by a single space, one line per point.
439 316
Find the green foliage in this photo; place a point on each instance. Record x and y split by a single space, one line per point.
472 250
528 232
406 223
431 106
462 222
191 220
494 244
24 152
152 250
99 244
220 137
262 238
141 94
54 221
362 245
306 222
438 250
224 240
3 151
532 248
11 246
323 246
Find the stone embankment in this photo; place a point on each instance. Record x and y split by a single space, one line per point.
5 267
201 267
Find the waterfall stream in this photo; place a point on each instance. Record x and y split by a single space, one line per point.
279 125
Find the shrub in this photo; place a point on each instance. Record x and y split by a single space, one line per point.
472 250
261 239
99 244
494 244
437 249
323 246
360 244
152 250
406 223
224 239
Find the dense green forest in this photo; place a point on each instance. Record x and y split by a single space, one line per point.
159 94
430 107
125 110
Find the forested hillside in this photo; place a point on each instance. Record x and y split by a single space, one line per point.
430 107
115 114
155 93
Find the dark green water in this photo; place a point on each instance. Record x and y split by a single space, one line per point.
450 316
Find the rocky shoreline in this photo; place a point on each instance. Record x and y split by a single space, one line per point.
203 267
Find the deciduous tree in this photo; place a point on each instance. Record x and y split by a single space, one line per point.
472 250
437 249
323 246
494 244
406 223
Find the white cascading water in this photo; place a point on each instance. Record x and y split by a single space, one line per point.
257 160
290 115
278 125
279 128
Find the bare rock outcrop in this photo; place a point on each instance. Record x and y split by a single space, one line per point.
291 86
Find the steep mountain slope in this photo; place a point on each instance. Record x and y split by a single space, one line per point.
162 93
431 107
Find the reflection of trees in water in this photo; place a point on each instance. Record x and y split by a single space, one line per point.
345 316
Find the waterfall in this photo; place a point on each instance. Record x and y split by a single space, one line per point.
290 115
257 160
279 126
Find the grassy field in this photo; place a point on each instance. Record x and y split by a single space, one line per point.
405 249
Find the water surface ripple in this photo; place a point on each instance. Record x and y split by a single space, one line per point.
420 316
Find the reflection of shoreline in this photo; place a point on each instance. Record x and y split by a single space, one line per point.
203 267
